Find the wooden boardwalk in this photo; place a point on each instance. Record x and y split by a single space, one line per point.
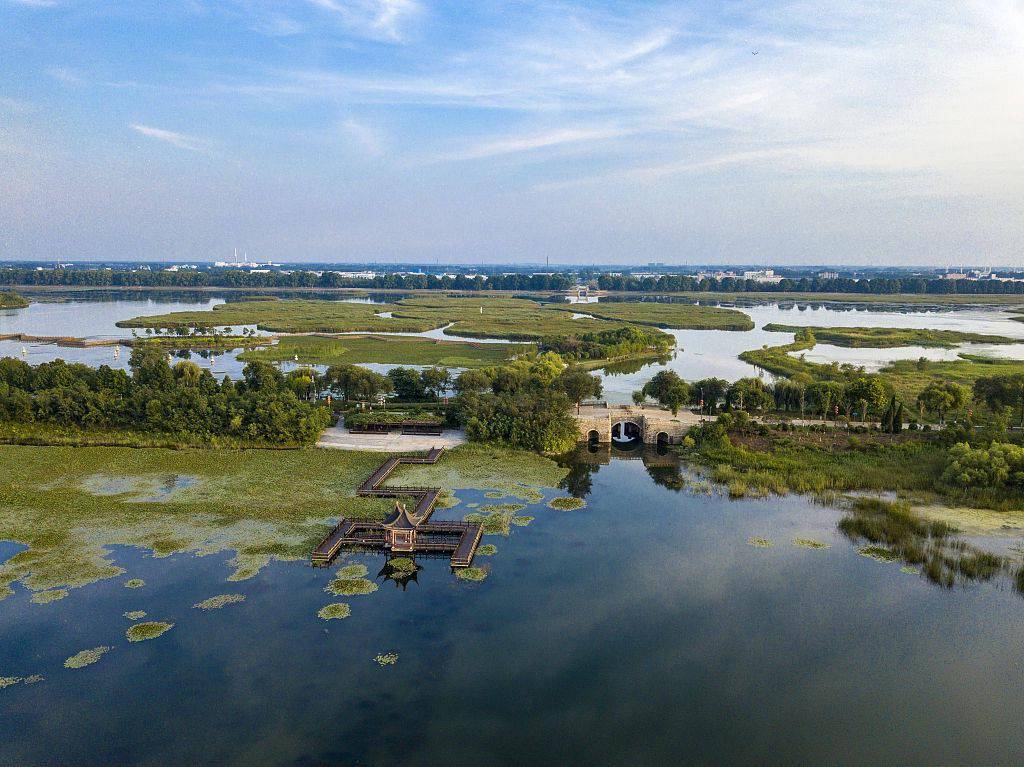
459 538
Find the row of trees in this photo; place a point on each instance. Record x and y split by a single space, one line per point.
608 344
265 406
355 383
680 283
237 278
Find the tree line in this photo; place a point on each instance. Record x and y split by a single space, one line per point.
153 396
683 283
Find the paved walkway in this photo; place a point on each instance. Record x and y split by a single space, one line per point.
339 438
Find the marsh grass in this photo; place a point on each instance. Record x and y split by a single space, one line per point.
334 611
389 350
142 632
219 601
86 657
894 532
678 316
885 338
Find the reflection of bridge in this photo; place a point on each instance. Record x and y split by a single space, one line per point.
621 424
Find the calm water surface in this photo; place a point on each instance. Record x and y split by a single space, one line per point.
640 630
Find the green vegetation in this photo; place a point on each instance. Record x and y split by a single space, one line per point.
387 659
11 300
471 573
134 583
353 571
496 519
141 632
893 532
390 350
350 587
51 595
628 342
263 408
487 550
809 543
334 611
884 338
135 615
678 316
760 543
9 681
567 503
86 657
389 417
219 601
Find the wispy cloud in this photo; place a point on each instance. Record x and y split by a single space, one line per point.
180 140
380 19
527 143
363 136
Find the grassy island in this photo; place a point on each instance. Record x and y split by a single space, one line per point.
885 338
677 316
11 300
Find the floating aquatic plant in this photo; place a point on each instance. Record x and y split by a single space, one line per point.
7 681
910 570
219 601
402 565
471 573
496 518
761 543
140 632
522 521
134 583
387 659
448 501
86 657
568 503
494 494
472 505
352 571
51 595
33 679
135 615
809 543
350 587
334 611
487 550
879 553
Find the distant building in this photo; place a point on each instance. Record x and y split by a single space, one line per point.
828 275
762 275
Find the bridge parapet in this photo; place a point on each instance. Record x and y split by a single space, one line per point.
653 422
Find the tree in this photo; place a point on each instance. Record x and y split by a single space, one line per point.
1003 391
708 392
436 381
668 389
578 384
749 394
407 383
942 396
472 381
867 393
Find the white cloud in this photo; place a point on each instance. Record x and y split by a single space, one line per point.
363 135
527 143
378 19
180 140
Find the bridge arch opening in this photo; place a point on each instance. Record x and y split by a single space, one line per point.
626 433
593 436
663 438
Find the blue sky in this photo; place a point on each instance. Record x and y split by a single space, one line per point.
350 130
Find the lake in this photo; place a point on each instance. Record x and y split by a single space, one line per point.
642 629
700 353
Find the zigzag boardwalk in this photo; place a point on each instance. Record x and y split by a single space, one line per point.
405 531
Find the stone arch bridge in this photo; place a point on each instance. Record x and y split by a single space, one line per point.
624 423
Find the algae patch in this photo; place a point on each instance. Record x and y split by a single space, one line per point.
86 657
52 595
569 503
387 659
34 679
494 494
353 571
219 601
134 583
135 615
350 587
809 543
334 611
878 553
761 543
471 573
8 681
495 519
487 550
140 632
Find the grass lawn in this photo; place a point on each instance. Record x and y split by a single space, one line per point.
68 505
394 350
677 316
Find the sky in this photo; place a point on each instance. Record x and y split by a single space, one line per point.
609 131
